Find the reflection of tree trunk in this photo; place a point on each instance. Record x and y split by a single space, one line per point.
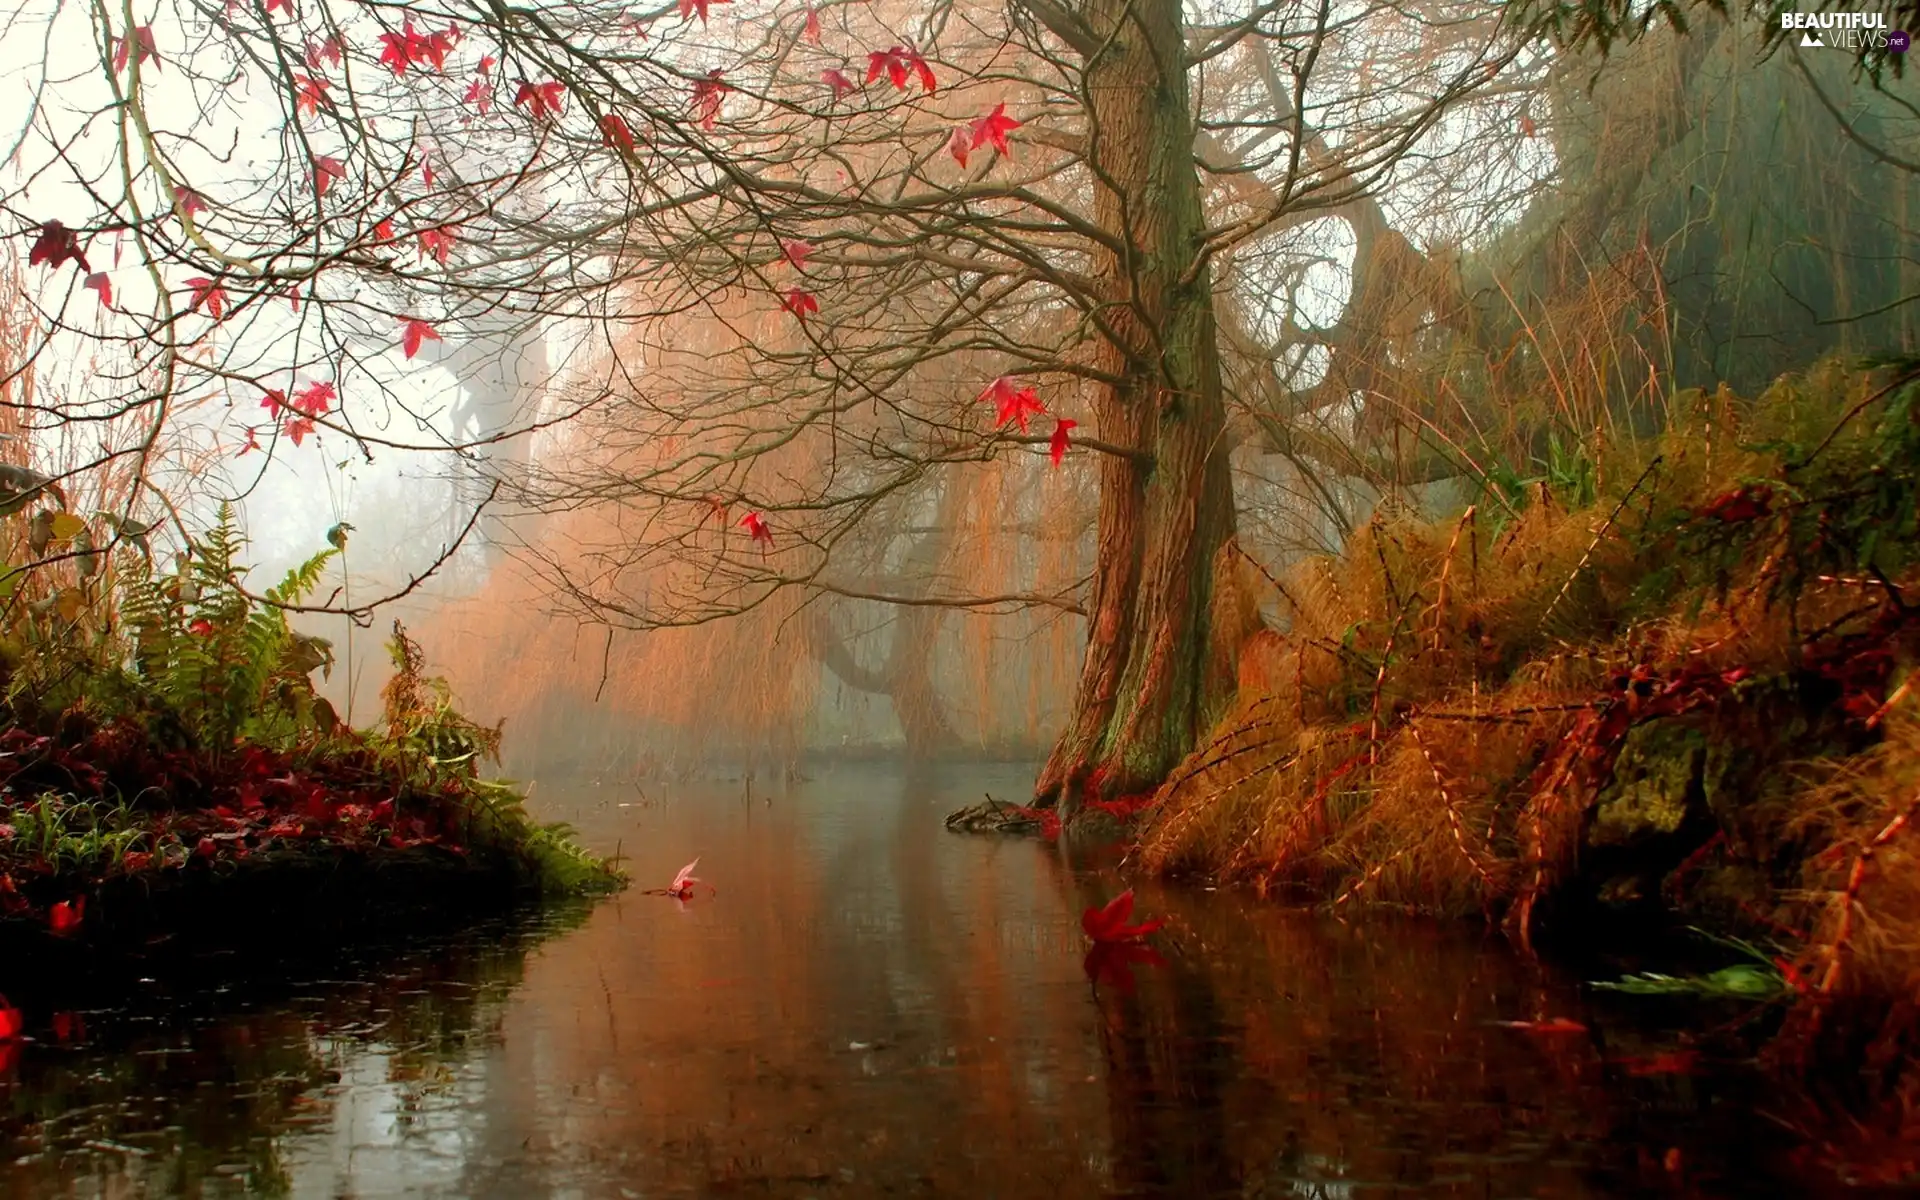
1149 682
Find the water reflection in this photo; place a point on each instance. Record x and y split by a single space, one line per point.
871 1006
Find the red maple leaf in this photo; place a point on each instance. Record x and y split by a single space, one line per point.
614 132
275 402
757 528
329 50
1013 403
993 128
308 94
796 251
920 68
541 100
426 170
65 917
1109 924
314 400
299 428
689 7
208 292
55 245
813 25
283 4
253 442
959 144
99 282
326 169
413 333
800 302
838 81
190 201
431 48
890 62
384 230
434 243
143 39
479 96
707 94
1057 447
394 54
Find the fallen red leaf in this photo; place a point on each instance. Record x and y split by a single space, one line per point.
1109 924
65 916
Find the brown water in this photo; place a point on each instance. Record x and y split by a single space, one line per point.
870 1006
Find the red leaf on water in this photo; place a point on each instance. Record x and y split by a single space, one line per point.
99 282
800 302
614 132
1109 924
959 145
683 881
413 333
55 245
1013 403
757 528
1057 447
993 128
707 95
838 81
541 100
65 917
210 293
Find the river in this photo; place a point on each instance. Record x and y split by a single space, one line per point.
867 1005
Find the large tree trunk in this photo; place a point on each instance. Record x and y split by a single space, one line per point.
1153 674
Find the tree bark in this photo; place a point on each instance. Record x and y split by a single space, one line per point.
1152 676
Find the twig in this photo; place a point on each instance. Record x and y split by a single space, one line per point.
1599 537
1855 879
1453 811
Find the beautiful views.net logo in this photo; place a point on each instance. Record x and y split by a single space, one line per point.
1846 31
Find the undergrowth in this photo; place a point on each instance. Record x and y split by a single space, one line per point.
154 725
1674 682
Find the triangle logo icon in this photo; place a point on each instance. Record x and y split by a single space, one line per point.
1810 38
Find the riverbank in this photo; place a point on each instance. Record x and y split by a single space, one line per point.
1667 684
170 777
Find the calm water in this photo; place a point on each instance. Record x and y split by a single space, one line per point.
870 1006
